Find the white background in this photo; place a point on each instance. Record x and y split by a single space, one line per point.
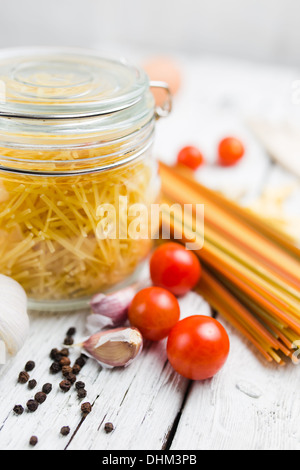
262 30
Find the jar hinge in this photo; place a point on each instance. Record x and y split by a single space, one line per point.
166 108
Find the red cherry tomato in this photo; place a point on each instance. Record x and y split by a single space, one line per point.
190 156
154 311
175 268
198 347
230 150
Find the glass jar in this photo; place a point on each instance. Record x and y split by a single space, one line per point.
76 136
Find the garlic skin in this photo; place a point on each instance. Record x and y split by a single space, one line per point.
14 321
110 310
115 348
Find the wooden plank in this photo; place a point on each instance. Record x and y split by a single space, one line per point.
249 405
142 400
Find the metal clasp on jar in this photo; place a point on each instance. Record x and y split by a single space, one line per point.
166 108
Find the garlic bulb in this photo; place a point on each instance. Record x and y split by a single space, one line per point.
14 321
115 348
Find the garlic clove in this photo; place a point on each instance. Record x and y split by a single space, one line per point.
115 348
110 309
14 321
96 322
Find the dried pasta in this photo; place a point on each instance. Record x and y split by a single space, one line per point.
48 226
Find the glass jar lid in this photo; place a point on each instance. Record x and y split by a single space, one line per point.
71 109
51 83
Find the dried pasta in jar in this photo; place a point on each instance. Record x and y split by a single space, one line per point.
75 145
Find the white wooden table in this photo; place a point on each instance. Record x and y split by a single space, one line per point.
249 404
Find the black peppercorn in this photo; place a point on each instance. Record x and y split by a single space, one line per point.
53 354
65 361
65 385
32 384
66 370
71 378
79 385
76 369
80 361
55 368
81 393
69 341
23 377
86 408
71 332
33 441
65 352
32 405
40 397
108 427
29 366
47 388
65 430
19 410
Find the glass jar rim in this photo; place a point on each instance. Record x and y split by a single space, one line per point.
105 156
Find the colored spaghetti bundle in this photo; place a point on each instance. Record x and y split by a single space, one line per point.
251 271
